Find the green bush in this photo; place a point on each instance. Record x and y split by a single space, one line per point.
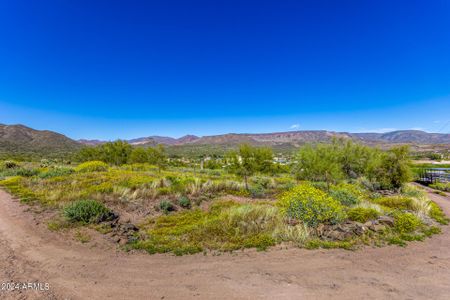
9 164
87 211
406 222
362 214
92 166
398 202
346 194
184 202
441 186
311 205
55 172
25 172
257 191
166 206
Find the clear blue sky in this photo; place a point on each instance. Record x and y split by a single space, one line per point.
110 69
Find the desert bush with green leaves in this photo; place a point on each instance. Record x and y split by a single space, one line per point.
86 211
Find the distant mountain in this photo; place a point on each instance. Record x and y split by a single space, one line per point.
292 138
21 139
315 136
90 142
149 141
405 136
187 139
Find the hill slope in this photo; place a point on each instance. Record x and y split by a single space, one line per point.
19 139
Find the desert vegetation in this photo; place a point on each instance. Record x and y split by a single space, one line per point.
340 194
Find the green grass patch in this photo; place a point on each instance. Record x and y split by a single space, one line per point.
395 202
362 214
226 226
317 243
15 185
437 214
406 222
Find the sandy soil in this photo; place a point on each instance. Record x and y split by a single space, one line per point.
29 252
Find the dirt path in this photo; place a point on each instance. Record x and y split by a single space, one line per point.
29 252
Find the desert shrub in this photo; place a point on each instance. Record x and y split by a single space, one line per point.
257 191
25 172
321 185
54 172
265 182
92 166
184 202
45 163
437 214
441 186
311 205
406 222
9 164
346 194
361 214
398 202
86 211
368 184
166 206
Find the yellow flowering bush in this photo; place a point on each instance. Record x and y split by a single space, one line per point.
92 166
311 205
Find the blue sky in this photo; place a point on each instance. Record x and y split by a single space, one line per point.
124 69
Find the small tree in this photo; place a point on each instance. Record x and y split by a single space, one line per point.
139 155
392 169
248 160
264 159
318 163
116 153
88 153
157 156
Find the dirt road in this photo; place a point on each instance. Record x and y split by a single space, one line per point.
29 252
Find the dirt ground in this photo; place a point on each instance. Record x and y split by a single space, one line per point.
31 253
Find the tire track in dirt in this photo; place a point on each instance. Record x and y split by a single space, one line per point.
29 252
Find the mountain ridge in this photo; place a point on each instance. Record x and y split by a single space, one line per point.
297 137
19 139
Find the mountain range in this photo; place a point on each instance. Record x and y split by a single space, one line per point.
295 138
20 139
